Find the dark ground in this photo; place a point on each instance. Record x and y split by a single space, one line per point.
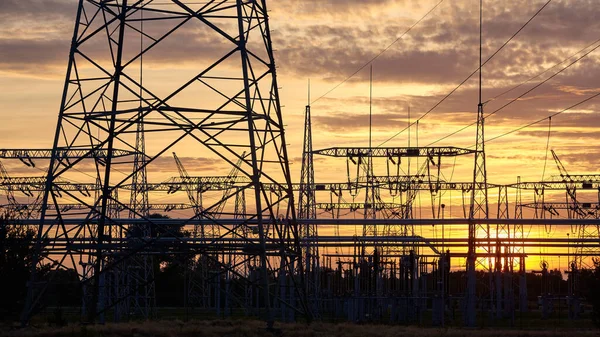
253 328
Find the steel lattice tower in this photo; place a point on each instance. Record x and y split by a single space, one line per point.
479 208
140 274
240 113
503 264
139 279
307 210
576 210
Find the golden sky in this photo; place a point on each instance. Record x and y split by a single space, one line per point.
328 40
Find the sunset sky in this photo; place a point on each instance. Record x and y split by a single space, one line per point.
326 41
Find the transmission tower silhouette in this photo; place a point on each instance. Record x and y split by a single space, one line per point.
228 108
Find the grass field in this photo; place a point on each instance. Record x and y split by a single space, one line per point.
253 328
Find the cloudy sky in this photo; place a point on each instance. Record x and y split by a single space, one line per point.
327 41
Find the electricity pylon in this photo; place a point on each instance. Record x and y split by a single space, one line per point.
104 101
307 210
479 208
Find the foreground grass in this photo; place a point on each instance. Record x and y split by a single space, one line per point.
245 328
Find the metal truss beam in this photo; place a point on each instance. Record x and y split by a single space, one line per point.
393 152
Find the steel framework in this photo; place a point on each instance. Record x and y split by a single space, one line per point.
105 105
250 249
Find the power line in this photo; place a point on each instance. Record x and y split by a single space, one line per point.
544 81
518 31
542 73
526 92
471 75
379 54
545 118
